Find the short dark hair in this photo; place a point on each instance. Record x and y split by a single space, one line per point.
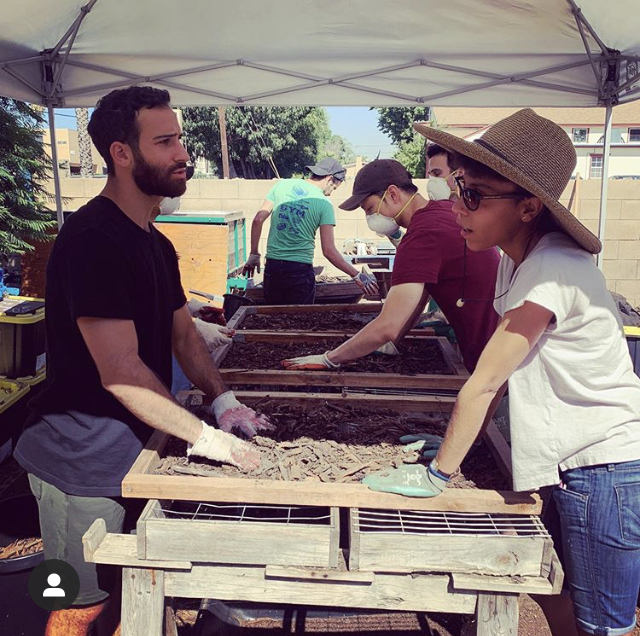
114 118
436 149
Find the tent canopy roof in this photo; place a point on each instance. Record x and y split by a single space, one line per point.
306 52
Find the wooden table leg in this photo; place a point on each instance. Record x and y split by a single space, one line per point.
497 614
142 602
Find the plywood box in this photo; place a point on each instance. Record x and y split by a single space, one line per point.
239 534
210 246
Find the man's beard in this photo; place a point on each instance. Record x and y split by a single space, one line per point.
155 182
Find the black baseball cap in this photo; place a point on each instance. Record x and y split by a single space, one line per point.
328 166
376 176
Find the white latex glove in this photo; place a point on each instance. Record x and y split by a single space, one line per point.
388 349
194 306
224 447
214 335
367 282
230 414
253 263
318 362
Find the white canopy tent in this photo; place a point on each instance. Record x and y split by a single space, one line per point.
307 52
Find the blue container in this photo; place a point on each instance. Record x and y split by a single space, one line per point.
633 340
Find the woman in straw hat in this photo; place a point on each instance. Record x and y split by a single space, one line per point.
573 396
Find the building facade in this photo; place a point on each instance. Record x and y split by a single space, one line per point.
585 126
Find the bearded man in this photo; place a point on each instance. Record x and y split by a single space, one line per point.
115 313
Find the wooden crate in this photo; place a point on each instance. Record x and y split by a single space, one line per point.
452 381
208 246
347 291
487 544
238 319
142 483
239 534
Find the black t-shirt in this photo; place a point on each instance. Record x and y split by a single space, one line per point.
79 437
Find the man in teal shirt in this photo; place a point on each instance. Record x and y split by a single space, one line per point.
299 208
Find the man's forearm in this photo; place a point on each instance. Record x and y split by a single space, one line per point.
256 232
336 259
368 339
141 392
195 360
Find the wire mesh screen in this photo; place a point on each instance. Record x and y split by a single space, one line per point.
244 513
448 523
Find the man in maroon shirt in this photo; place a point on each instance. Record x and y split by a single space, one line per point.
430 262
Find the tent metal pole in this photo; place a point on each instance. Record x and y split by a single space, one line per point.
605 181
54 159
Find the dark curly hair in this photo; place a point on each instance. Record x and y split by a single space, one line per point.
114 118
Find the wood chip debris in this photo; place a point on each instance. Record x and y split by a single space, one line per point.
21 547
329 444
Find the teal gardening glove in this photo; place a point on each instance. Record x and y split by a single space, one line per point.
411 480
424 443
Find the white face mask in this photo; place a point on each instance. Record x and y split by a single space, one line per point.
382 224
438 189
169 205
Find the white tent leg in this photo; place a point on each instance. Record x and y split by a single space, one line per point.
605 182
54 160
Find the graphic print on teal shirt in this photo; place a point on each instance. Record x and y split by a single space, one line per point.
299 209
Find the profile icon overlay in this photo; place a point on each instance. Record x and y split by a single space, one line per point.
54 585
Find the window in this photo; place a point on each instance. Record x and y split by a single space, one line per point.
634 134
580 135
595 170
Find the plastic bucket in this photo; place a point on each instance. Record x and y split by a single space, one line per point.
233 302
19 615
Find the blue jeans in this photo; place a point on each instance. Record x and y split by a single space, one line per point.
288 283
599 512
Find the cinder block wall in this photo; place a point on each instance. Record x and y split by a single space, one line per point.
621 252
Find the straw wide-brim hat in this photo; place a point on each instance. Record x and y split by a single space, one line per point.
532 152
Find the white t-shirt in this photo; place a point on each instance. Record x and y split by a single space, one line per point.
575 399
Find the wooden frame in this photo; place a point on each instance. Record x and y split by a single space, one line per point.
270 377
386 547
241 315
142 483
493 599
307 543
326 292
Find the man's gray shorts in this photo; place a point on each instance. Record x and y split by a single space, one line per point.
63 521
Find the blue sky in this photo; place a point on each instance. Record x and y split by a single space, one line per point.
356 124
359 126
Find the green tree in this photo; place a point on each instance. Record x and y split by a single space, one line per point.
412 155
338 148
258 138
396 122
24 168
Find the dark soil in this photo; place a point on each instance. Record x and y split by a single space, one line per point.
316 321
335 444
425 357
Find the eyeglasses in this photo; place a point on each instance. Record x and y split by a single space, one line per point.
471 198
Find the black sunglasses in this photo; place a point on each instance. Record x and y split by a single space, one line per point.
471 198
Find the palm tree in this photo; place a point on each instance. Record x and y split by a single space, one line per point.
84 142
